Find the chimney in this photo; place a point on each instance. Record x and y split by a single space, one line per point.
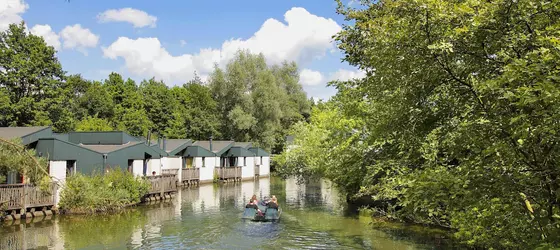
210 143
164 144
159 141
148 138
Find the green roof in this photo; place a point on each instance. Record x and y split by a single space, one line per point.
26 134
101 137
259 151
174 146
238 152
218 147
108 148
243 144
198 151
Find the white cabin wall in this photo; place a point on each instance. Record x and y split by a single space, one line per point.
197 162
248 171
172 162
57 170
265 166
207 172
154 165
138 167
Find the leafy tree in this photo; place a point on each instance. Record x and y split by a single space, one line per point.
158 105
97 101
94 124
196 114
14 157
457 117
30 74
256 102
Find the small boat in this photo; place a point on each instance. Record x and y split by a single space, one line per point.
269 214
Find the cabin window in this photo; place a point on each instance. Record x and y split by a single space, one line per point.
244 161
203 162
261 160
70 167
130 162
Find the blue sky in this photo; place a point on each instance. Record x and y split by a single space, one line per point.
170 40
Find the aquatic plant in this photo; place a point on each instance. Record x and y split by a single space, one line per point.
102 193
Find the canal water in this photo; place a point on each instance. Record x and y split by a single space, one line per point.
208 217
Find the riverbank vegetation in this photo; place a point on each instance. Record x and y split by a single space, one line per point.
109 192
14 157
456 122
248 100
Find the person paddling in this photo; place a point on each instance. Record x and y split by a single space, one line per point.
273 203
253 204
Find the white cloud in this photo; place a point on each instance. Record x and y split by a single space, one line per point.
76 37
313 78
304 37
310 77
10 12
51 38
345 75
136 17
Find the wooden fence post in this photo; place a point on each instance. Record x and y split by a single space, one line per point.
162 187
24 200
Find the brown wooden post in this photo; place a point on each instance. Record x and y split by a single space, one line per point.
24 200
162 187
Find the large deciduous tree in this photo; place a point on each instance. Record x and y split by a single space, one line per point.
258 102
459 116
30 75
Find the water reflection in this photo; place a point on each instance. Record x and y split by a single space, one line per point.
208 217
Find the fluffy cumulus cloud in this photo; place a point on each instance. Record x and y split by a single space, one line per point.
313 78
310 77
135 17
10 12
76 37
345 75
51 38
302 37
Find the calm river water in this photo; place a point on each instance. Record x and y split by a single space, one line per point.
208 217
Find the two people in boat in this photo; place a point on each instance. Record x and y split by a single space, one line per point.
254 203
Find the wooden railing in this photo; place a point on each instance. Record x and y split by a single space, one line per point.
21 196
257 170
189 174
170 171
162 184
229 172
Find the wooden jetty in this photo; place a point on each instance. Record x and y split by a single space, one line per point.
26 200
162 187
190 176
228 174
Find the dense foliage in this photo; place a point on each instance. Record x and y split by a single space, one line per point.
102 193
242 102
256 102
455 123
14 157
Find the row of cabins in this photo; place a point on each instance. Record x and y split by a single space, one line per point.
96 152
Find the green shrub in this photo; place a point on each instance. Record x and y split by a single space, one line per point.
101 193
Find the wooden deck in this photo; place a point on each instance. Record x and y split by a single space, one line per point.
26 200
170 171
22 196
162 187
228 173
190 176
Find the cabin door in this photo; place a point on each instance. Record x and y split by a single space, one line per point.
70 167
189 162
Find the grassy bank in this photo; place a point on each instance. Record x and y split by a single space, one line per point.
102 193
